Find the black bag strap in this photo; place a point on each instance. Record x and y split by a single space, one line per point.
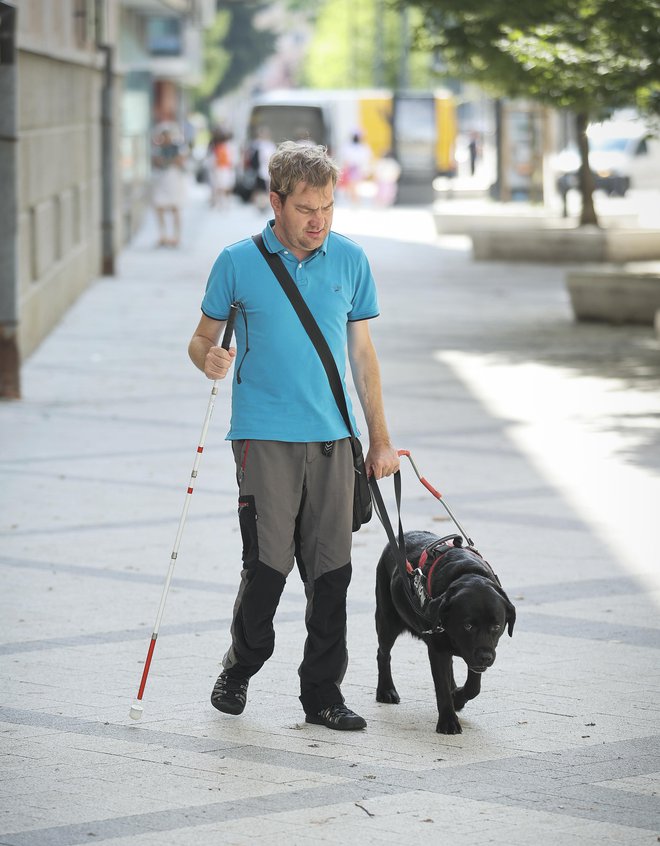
310 325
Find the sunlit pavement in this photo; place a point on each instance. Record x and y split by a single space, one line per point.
542 435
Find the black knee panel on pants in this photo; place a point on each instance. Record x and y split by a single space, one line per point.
253 633
329 609
326 656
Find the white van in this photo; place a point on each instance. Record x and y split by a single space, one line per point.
622 154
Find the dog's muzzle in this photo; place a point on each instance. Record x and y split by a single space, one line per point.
484 658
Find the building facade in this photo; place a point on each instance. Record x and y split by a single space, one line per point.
81 84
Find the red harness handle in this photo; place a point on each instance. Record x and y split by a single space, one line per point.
421 478
435 493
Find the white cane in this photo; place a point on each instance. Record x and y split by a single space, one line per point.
136 708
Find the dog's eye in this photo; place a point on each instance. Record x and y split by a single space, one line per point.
467 626
496 628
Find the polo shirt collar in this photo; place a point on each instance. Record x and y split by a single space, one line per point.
274 245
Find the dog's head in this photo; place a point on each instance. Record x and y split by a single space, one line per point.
473 612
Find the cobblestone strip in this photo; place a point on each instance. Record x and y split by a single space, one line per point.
566 782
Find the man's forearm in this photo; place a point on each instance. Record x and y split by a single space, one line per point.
366 376
198 349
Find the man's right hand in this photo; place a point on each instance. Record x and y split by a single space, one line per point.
218 361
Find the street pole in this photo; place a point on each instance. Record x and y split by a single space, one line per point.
9 351
404 79
107 164
379 64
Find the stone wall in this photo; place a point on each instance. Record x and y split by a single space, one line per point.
59 185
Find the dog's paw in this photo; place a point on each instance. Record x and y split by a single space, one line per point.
459 699
388 696
448 724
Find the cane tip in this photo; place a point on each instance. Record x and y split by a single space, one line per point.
136 711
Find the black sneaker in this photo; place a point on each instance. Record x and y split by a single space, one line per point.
229 694
337 716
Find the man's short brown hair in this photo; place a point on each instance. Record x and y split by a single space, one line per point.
293 163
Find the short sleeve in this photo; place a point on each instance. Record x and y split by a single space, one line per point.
220 286
365 297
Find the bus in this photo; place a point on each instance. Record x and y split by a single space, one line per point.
418 127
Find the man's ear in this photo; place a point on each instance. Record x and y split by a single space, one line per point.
276 201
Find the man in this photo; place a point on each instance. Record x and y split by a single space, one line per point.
293 457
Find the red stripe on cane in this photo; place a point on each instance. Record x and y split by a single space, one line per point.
200 449
190 490
147 664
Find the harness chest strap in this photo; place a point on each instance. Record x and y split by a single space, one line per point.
422 560
421 584
439 548
443 546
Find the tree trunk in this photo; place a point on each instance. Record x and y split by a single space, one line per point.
586 177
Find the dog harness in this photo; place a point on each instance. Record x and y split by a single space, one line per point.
422 575
416 583
434 553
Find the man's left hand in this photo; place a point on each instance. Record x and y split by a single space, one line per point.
381 460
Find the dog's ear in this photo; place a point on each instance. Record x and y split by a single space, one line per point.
510 610
510 616
510 613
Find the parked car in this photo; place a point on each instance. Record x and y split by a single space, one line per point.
622 154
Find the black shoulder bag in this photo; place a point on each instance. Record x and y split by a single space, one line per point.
362 507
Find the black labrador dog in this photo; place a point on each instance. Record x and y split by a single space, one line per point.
466 609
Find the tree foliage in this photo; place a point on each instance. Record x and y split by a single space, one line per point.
364 44
589 56
215 58
234 47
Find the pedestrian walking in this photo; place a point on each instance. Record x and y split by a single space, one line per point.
387 171
473 151
222 177
293 456
356 166
168 184
258 157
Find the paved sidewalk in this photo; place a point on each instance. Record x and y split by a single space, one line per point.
543 435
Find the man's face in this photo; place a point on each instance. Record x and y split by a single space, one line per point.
303 222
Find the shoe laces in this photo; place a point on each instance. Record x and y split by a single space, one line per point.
334 713
237 687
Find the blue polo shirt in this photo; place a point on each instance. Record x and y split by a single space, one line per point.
280 390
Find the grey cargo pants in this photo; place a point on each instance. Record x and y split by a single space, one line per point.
294 502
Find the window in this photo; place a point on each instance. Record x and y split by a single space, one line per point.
164 37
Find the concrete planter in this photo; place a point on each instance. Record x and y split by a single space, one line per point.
567 246
458 219
615 295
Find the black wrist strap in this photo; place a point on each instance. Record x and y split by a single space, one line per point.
412 580
310 325
398 544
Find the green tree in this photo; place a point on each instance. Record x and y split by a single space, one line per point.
364 44
233 48
589 56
